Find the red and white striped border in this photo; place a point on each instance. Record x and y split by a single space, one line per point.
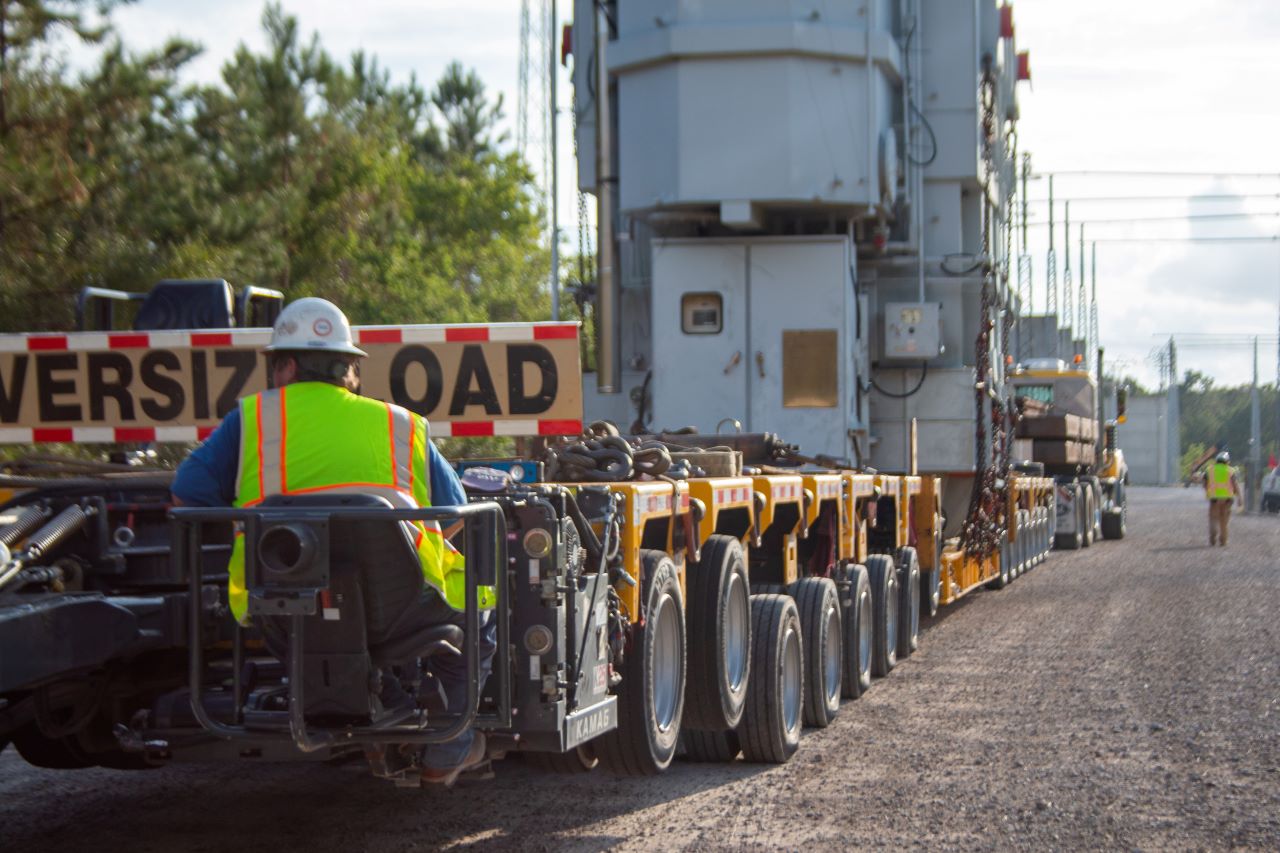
827 489
787 491
424 334
106 435
101 435
739 494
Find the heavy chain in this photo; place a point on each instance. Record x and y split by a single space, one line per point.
985 523
586 255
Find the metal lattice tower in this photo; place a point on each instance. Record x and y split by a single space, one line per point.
533 107
1094 335
1065 319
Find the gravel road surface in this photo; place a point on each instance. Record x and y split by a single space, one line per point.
1124 696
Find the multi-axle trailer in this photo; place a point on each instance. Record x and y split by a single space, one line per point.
636 619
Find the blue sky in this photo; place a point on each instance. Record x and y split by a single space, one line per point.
1141 84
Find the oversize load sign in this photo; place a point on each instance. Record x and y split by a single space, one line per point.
502 379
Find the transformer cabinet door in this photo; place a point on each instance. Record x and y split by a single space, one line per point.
700 359
802 314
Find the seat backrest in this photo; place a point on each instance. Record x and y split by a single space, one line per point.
173 304
378 553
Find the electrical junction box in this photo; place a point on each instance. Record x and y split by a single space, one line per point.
913 330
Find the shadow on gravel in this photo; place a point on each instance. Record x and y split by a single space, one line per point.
340 808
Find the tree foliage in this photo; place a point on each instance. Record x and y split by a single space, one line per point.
296 171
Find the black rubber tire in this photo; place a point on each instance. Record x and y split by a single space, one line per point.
908 564
719 638
581 759
641 746
770 727
40 751
930 591
1001 580
858 622
1087 522
1114 523
1071 541
710 747
884 614
818 601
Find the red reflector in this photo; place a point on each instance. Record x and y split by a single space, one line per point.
1006 22
566 43
460 334
128 341
206 339
381 336
47 342
471 430
1024 65
550 333
136 434
51 435
204 432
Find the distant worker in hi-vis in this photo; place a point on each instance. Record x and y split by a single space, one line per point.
1221 488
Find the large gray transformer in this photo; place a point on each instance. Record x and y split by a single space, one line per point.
795 195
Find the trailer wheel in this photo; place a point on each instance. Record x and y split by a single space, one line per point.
1113 523
53 754
908 562
711 747
884 614
719 636
770 727
580 759
651 696
1072 541
819 606
858 625
1087 522
1001 580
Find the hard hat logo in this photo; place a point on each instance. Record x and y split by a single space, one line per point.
313 324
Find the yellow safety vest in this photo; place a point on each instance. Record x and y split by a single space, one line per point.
313 437
1220 481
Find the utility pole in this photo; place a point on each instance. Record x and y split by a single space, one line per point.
553 67
1255 438
1174 421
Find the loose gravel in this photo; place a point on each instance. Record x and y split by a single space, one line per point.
1123 696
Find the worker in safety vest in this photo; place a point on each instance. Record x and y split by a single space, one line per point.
1221 487
312 433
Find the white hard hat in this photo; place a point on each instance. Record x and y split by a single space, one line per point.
1224 456
312 323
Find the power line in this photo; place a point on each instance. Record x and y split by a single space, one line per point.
1183 218
1183 197
1274 238
1140 173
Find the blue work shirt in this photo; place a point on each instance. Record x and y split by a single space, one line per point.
208 476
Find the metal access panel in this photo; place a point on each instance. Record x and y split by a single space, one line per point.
699 361
759 331
802 316
912 330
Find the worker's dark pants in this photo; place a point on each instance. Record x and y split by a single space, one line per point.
1219 518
